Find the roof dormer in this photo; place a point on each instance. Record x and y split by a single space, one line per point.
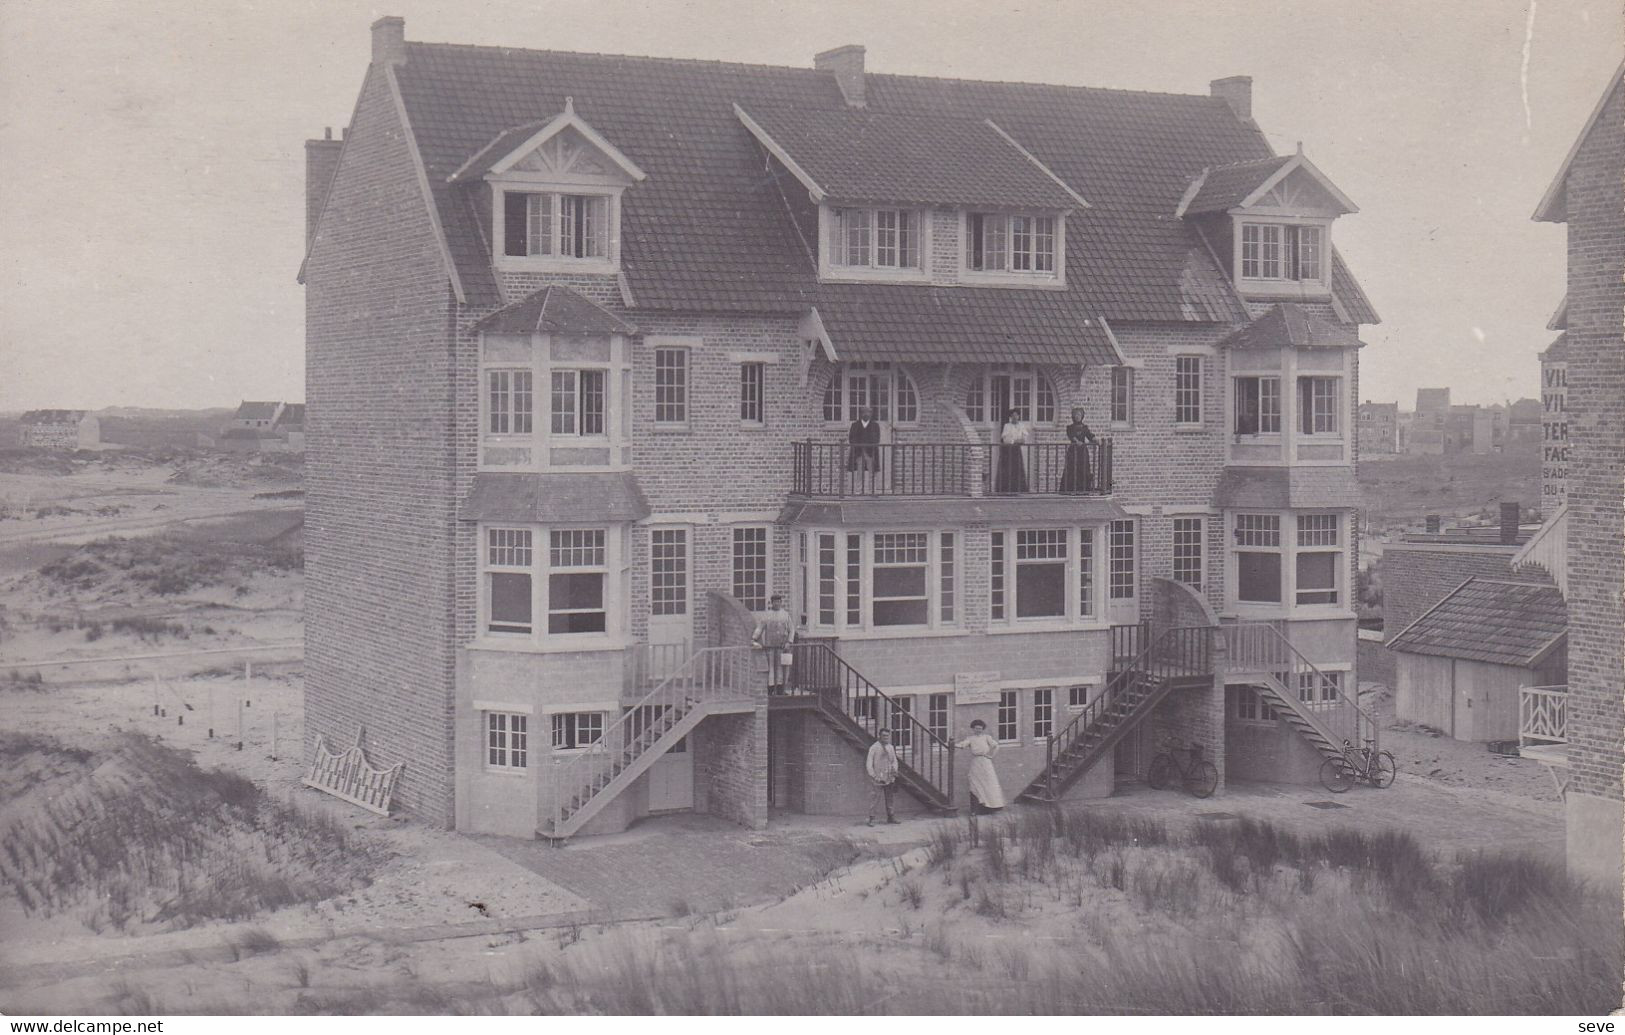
556 189
1277 215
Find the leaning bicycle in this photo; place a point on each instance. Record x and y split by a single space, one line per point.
1367 764
1196 774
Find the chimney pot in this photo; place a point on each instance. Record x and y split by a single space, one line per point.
1236 91
389 40
847 65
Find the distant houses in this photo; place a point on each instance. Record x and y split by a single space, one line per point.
1436 427
262 427
59 429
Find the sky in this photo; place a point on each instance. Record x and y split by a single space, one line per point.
151 152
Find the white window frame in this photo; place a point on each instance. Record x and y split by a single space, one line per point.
1314 695
1308 387
1031 391
538 363
850 584
1188 409
1115 560
875 378
683 347
507 741
1121 385
1043 713
684 557
939 704
1288 551
1010 699
1271 435
510 413
1081 571
1199 569
753 394
833 251
576 373
571 724
523 539
734 570
540 568
1253 706
554 261
1009 276
1258 282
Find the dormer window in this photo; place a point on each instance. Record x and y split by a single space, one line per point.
569 226
1001 243
1281 251
875 238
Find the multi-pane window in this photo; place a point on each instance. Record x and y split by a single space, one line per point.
577 402
901 722
1043 713
750 547
1040 582
752 385
1002 243
996 590
884 238
577 729
1122 401
1253 705
1086 572
1273 251
1188 551
671 386
1014 386
945 578
1006 729
1121 549
572 226
577 571
1320 688
1258 558
1317 405
508 580
854 579
510 402
668 571
826 578
1187 389
936 715
1258 405
1319 554
1077 697
878 387
900 573
507 736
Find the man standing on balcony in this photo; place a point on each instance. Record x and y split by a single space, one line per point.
774 632
881 766
863 441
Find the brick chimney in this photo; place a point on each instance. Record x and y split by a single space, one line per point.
847 64
321 162
1509 523
1236 91
389 40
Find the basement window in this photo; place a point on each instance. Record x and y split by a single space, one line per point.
573 730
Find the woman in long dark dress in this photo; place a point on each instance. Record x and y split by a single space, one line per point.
1014 433
1075 477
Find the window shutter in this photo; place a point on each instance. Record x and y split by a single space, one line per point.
513 224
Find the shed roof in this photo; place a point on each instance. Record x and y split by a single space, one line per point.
1290 324
1493 620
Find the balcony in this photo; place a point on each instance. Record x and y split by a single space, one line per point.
836 470
1543 723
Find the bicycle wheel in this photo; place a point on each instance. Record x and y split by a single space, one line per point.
1202 779
1162 769
1336 776
1383 770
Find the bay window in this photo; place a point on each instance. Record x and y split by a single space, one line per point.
541 393
578 402
1043 574
568 583
1258 558
899 576
1295 558
510 401
1040 583
508 580
881 580
1317 405
577 572
1319 558
1258 405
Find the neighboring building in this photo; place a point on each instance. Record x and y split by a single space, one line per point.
1428 423
1421 568
1589 196
59 429
256 415
1554 446
585 336
290 428
1405 421
1523 421
1379 428
263 427
1461 663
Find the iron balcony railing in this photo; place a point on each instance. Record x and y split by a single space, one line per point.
840 470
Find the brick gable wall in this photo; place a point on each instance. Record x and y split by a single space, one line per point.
1415 577
379 505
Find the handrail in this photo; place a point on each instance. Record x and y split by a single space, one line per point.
1543 715
841 470
817 669
1263 647
709 674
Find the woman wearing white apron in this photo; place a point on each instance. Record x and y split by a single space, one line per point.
984 779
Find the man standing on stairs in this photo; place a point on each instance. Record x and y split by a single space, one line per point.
882 768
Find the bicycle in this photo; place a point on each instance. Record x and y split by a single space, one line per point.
1200 776
1376 768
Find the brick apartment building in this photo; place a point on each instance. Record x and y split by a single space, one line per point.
585 337
1589 197
1378 430
59 430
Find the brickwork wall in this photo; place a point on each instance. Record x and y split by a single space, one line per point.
730 761
1268 753
1416 576
1554 438
379 505
1596 376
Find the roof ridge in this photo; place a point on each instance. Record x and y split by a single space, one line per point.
1041 85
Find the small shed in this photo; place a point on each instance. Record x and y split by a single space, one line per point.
1460 664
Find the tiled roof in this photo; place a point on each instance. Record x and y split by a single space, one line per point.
555 310
1226 186
1289 324
292 414
256 410
854 154
709 231
939 324
1501 622
52 417
1282 488
560 496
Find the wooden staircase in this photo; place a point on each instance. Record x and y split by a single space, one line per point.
1179 658
713 681
1329 719
843 699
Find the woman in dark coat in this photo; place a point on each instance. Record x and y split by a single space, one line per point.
1075 477
1014 433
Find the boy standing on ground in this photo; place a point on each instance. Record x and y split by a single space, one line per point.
881 766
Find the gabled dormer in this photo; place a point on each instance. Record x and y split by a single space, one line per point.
1272 220
555 195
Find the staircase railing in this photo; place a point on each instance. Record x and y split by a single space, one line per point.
1262 647
710 674
1184 651
816 669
